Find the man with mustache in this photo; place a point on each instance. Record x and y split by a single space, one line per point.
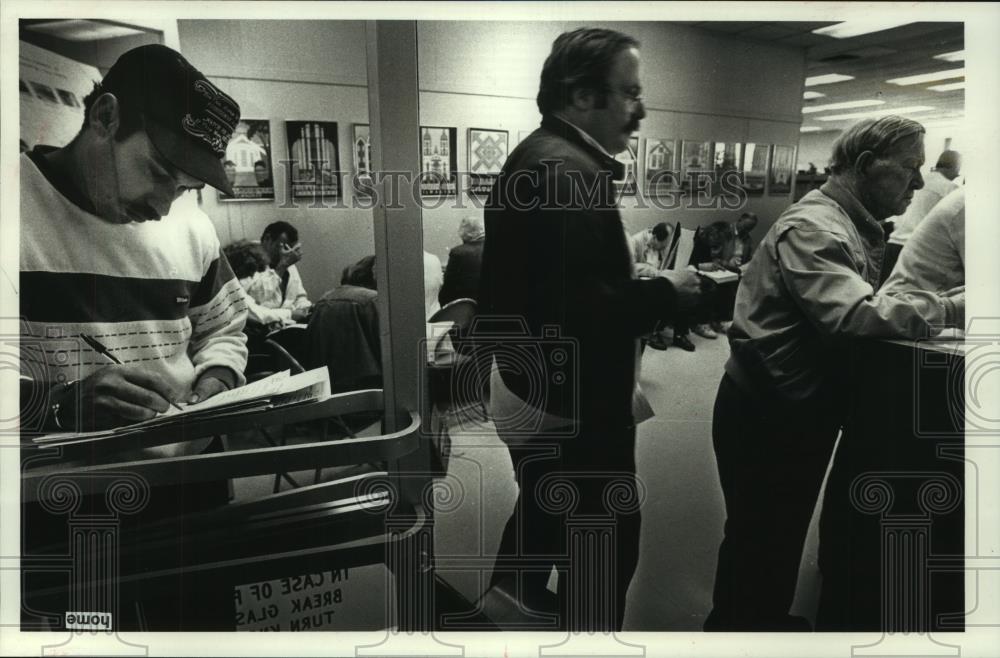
557 257
808 291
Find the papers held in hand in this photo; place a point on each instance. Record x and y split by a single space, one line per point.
720 276
280 389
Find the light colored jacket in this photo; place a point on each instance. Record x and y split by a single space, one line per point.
811 285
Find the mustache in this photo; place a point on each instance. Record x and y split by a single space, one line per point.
632 125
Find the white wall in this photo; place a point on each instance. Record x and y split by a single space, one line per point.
290 70
697 85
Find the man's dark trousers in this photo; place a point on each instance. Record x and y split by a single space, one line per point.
771 458
587 480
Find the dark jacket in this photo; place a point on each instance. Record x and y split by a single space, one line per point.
461 276
343 334
556 255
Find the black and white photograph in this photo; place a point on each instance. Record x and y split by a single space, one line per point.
439 161
361 152
313 159
754 171
649 333
247 162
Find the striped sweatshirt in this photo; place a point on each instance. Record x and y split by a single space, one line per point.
157 294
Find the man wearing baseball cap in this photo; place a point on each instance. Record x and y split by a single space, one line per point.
113 247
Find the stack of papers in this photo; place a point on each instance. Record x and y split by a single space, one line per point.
721 276
280 389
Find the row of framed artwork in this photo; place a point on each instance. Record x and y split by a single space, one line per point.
314 160
668 165
313 164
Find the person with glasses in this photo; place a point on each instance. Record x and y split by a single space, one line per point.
557 258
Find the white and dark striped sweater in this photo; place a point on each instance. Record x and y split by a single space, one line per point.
156 294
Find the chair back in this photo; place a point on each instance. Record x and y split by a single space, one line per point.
459 311
202 556
685 246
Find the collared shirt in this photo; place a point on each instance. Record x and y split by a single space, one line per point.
267 304
811 286
648 261
583 135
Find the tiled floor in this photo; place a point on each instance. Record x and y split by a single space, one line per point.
682 516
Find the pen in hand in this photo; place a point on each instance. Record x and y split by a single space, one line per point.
99 347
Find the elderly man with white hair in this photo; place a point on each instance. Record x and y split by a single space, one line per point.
808 291
461 275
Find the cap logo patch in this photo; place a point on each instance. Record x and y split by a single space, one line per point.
215 126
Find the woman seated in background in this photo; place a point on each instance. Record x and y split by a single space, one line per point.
249 260
461 275
252 266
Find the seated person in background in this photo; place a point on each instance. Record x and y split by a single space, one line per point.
649 251
934 256
433 279
461 275
343 332
278 296
706 256
738 246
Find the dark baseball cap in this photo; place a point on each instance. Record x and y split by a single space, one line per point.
188 119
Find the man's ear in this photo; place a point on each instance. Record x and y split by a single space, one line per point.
863 162
103 117
582 98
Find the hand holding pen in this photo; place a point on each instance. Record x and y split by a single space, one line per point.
109 397
99 347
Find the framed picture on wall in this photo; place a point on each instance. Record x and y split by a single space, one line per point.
727 156
487 153
313 159
782 170
248 162
754 168
696 163
630 158
660 165
361 154
438 161
726 160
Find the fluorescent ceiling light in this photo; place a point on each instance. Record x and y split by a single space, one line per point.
957 56
809 95
951 86
827 79
849 29
876 113
811 129
83 30
846 105
928 77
